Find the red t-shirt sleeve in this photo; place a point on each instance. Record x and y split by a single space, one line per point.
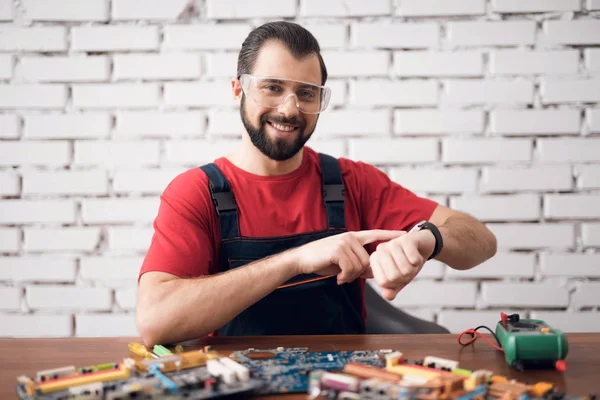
182 243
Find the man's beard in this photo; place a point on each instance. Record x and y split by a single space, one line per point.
277 149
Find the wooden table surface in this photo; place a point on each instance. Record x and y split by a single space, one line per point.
26 356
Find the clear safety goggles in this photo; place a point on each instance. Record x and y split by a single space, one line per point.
272 92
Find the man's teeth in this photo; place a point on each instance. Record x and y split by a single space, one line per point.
285 128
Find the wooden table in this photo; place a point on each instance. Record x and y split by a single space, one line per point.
26 356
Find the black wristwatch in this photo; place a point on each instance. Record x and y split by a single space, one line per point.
439 243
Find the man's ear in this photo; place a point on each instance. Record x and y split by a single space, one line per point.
236 89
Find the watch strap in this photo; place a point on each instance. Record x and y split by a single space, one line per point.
439 243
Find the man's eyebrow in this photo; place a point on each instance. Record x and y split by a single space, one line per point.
274 80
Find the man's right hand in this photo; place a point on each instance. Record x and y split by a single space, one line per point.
343 255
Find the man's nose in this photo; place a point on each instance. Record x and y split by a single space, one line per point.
288 107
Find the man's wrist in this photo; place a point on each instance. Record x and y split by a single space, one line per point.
437 236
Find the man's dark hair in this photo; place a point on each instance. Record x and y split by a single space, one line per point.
299 41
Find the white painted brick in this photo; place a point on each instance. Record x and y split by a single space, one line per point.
533 236
65 10
237 9
148 9
221 65
35 326
206 37
61 239
436 180
156 66
593 4
433 269
518 207
35 153
475 150
589 176
590 234
128 238
9 126
581 31
226 122
524 295
427 63
114 38
395 35
65 182
502 265
517 179
37 211
346 64
105 325
6 66
397 151
156 123
488 33
111 154
200 94
570 321
592 59
459 321
529 6
68 298
95 211
67 126
519 62
361 122
438 121
10 184
63 69
330 35
567 206
593 116
10 239
143 180
426 8
566 150
335 148
10 299
38 38
113 272
37 269
126 298
42 96
6 10
587 294
570 91
341 8
476 92
543 122
570 265
120 95
197 152
431 294
338 93
394 93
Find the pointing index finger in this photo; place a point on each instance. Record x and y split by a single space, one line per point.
374 235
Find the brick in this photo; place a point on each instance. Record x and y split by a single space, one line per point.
10 299
200 94
40 96
63 69
239 9
38 269
329 35
6 11
129 238
589 177
65 182
457 321
490 33
527 236
592 59
346 122
527 179
590 234
105 325
479 150
65 10
438 121
570 321
147 181
35 326
568 150
571 206
126 298
340 8
67 126
478 92
61 239
116 153
196 152
156 66
160 123
34 153
335 148
113 272
68 298
9 126
535 122
10 183
119 95
375 92
519 62
531 6
114 38
593 116
6 66
225 122
593 4
397 35
221 65
430 8
148 9
433 269
581 31
338 93
94 211
436 180
570 265
397 151
10 240
502 265
586 295
37 211
348 64
431 294
38 38
541 295
221 37
570 91
427 63
518 207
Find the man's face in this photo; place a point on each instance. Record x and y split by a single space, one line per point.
279 133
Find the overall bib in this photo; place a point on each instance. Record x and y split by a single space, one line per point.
308 304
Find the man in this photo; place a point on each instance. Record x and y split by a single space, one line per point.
278 239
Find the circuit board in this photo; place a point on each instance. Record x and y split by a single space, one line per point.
285 370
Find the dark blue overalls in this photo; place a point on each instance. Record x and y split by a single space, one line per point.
306 304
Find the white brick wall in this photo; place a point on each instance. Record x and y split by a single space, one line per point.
489 106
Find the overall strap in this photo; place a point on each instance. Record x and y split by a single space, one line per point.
333 191
224 201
